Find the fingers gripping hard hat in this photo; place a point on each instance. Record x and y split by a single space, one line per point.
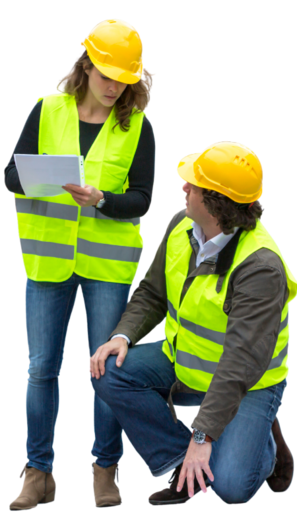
225 167
115 48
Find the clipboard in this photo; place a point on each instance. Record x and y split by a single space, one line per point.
44 175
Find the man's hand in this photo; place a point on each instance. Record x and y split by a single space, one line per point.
117 347
87 196
196 461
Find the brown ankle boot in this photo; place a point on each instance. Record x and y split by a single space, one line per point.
106 492
39 487
282 476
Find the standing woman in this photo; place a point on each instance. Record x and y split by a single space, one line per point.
88 236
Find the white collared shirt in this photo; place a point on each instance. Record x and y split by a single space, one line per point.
211 247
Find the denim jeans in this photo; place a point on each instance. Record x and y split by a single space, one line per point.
241 459
49 306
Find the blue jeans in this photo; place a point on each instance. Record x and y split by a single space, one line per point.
242 458
49 306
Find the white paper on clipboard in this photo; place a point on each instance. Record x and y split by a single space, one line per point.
44 175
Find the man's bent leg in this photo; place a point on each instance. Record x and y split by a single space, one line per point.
244 456
137 394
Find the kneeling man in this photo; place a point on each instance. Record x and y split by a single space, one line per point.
222 284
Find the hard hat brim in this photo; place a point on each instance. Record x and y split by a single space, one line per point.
116 73
185 168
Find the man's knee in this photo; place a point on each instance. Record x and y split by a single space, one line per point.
233 488
104 385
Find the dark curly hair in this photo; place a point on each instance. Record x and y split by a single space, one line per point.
231 214
134 98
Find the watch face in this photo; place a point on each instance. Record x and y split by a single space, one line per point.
199 437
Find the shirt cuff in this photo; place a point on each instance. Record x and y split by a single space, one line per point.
123 337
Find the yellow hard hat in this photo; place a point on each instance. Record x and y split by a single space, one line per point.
115 48
226 167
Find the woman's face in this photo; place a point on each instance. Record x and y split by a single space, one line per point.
106 91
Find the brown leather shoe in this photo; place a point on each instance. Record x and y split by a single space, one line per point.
282 476
170 495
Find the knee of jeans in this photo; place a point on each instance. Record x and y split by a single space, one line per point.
104 385
42 371
233 487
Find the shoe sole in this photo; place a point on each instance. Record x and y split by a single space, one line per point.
27 509
107 505
49 498
178 501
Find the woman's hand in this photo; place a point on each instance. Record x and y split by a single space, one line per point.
87 196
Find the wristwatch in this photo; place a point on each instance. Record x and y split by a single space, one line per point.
100 203
200 437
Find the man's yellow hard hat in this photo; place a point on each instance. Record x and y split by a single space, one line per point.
115 48
226 167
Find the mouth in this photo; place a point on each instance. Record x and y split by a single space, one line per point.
111 97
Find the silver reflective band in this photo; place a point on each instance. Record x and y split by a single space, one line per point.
46 249
64 211
171 310
47 209
285 322
196 363
113 252
96 250
170 348
214 336
90 211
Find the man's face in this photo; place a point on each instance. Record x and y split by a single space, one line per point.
196 209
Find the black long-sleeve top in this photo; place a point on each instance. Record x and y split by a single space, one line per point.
134 203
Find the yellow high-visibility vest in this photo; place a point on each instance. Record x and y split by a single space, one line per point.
58 237
196 328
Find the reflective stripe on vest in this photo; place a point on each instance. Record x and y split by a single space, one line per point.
57 236
67 212
64 211
196 363
196 329
96 250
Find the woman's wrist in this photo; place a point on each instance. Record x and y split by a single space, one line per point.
99 196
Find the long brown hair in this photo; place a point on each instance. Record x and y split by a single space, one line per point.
134 98
230 214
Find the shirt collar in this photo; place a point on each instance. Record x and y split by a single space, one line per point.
220 240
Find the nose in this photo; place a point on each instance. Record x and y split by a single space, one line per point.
186 187
113 86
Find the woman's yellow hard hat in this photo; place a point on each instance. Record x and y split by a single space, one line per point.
226 167
115 48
